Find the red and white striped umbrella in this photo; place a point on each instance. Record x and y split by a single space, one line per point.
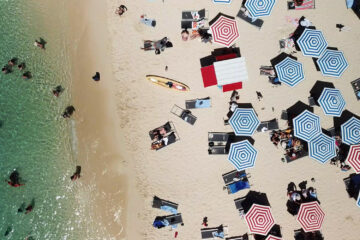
272 237
224 31
310 216
353 157
259 219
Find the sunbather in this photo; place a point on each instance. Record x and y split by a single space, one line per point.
267 70
121 10
184 35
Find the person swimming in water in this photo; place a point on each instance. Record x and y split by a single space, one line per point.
14 179
27 75
69 110
12 62
30 207
21 208
40 44
57 90
6 69
21 66
76 174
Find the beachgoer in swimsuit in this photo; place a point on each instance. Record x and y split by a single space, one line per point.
121 10
12 61
39 44
29 208
57 90
76 174
6 69
185 35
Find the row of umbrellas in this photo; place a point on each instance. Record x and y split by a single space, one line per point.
260 220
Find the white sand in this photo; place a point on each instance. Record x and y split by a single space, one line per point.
184 172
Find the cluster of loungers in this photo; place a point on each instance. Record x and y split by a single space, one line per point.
169 220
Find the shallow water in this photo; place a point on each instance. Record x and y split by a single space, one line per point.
34 138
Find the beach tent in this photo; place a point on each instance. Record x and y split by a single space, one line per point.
322 148
310 216
259 219
306 126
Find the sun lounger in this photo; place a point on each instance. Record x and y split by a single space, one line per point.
183 114
243 237
215 150
284 115
160 203
307 4
268 125
356 86
300 154
257 23
218 137
169 127
174 219
312 101
171 138
198 103
238 204
170 220
230 176
238 186
193 15
208 232
301 235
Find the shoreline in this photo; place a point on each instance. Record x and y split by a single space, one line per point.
101 151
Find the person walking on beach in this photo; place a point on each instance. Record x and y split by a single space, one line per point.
40 44
76 174
259 95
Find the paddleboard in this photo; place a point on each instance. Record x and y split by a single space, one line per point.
168 83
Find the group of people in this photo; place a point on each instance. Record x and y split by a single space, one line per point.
290 143
297 197
8 68
162 136
159 46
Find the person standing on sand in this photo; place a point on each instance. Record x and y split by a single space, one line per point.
96 77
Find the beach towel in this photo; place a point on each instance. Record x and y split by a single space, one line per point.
148 21
237 186
169 209
203 103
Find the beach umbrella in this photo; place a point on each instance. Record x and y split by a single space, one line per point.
332 63
272 237
259 8
322 148
312 43
259 219
244 121
242 155
353 157
318 88
350 131
222 1
295 110
332 102
310 216
290 71
306 125
224 30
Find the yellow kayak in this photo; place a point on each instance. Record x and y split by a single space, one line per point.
167 83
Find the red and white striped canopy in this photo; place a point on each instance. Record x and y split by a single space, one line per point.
353 158
272 237
224 31
310 216
259 219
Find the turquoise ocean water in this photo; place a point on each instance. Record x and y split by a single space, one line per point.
34 138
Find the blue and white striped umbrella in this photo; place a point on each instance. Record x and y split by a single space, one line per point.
242 155
322 148
332 63
259 8
312 43
306 125
244 121
290 71
350 131
331 102
222 1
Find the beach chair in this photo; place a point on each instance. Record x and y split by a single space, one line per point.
307 4
208 232
194 15
174 219
215 150
218 136
171 138
284 115
268 125
168 127
194 19
243 237
183 114
198 103
233 176
311 101
238 186
356 86
238 204
257 23
163 204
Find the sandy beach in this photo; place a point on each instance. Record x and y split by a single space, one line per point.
113 117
